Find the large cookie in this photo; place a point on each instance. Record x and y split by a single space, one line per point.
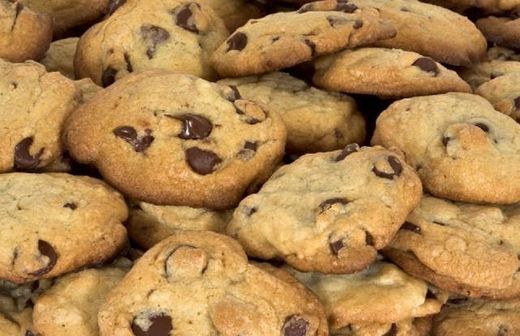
34 107
328 212
24 34
56 223
153 34
461 147
502 31
235 13
200 283
60 57
504 93
429 30
316 120
385 72
468 249
282 40
174 139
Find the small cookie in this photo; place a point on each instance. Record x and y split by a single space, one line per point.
148 224
478 318
461 147
154 34
328 212
283 40
200 283
235 13
445 36
471 250
24 34
502 31
56 223
385 72
316 120
504 93
180 139
71 305
34 107
60 57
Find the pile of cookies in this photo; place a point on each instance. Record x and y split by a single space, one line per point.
259 168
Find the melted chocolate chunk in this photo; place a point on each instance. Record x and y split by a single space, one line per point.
248 151
411 227
325 205
202 161
237 41
427 65
47 250
153 35
295 325
482 126
369 239
194 127
108 77
129 134
445 141
396 166
349 149
70 205
185 19
358 24
236 94
23 160
336 246
159 325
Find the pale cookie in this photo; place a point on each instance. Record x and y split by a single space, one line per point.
502 31
462 148
486 71
60 57
200 283
14 321
180 139
55 223
328 212
235 13
316 120
154 34
412 327
504 93
385 72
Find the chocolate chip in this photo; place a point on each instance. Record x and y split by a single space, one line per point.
185 19
326 205
194 127
312 46
237 41
517 103
202 161
482 126
427 65
349 149
358 24
109 76
344 6
114 5
47 250
71 206
129 134
23 160
411 227
129 66
445 141
153 35
295 325
392 331
159 325
248 151
369 239
251 145
430 295
336 246
503 330
396 166
235 95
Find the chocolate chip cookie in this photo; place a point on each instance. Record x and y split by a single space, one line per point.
316 120
173 139
412 327
486 71
328 212
385 72
461 147
55 223
60 57
153 34
283 40
504 93
220 293
485 6
235 13
503 31
14 321
24 34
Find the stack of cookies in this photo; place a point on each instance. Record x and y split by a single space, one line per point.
259 168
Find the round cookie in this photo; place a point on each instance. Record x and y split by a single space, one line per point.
486 71
283 40
486 6
461 147
24 34
471 250
55 223
502 31
316 120
148 224
182 140
478 318
235 13
153 34
328 212
504 93
34 107
220 294
60 57
445 36
385 72
71 305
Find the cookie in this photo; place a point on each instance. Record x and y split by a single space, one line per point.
385 72
486 71
56 223
60 57
316 120
445 36
155 34
461 147
411 327
283 40
24 34
502 54
71 305
486 6
14 321
502 31
87 88
34 107
328 212
472 250
148 224
478 318
220 293
235 13
504 93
